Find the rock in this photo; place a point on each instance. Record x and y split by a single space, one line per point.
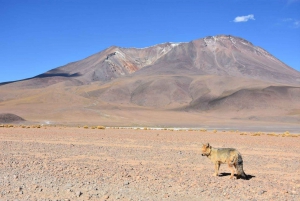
105 197
68 185
78 193
294 192
126 183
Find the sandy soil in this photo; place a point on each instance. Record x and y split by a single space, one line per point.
120 164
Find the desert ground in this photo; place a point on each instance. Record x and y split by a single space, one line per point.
71 163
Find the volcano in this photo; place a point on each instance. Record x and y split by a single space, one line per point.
210 81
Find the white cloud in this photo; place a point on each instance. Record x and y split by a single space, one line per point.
244 18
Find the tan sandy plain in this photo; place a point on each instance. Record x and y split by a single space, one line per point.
58 163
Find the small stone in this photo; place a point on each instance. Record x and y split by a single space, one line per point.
261 192
78 193
105 197
126 183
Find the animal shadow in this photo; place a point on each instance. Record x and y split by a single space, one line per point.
228 174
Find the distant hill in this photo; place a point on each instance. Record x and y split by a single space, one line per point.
10 118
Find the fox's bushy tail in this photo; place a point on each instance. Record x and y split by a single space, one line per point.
239 168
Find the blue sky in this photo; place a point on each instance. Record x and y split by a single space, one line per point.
39 35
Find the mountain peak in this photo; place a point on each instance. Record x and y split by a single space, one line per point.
213 55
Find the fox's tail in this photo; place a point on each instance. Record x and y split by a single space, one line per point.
239 168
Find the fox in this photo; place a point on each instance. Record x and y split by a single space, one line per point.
230 156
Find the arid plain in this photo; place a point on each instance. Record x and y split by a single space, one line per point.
71 163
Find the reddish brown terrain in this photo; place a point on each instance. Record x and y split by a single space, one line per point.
58 163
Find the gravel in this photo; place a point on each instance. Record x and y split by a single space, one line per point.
120 164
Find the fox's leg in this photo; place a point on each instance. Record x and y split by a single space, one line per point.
217 166
232 170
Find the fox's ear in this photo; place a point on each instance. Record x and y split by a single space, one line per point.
207 144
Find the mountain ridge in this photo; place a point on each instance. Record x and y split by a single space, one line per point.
214 55
213 79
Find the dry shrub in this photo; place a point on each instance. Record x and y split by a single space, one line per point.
101 127
215 131
273 134
203 130
287 134
256 134
1 126
243 133
85 127
145 128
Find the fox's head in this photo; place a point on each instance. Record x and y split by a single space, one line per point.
206 149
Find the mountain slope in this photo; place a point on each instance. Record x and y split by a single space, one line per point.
214 79
217 55
224 55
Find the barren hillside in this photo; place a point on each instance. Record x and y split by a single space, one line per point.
210 80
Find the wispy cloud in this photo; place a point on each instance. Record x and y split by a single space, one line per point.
290 22
296 24
244 18
287 20
292 1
